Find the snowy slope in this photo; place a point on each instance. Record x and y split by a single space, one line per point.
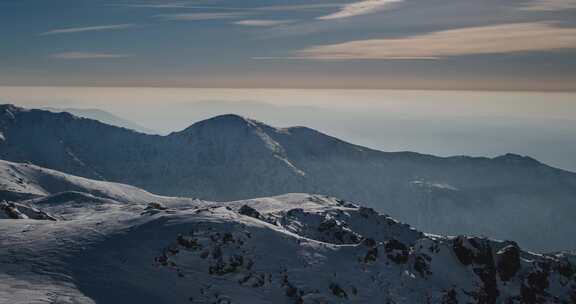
230 157
19 181
295 248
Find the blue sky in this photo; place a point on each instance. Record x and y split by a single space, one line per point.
415 44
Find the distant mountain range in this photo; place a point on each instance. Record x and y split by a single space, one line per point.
105 117
230 157
71 240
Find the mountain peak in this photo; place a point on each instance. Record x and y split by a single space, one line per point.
228 118
517 159
225 121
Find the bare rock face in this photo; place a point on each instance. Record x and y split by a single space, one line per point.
508 262
478 254
473 250
535 284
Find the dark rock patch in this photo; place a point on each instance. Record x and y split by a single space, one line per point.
396 251
508 259
249 211
422 264
338 291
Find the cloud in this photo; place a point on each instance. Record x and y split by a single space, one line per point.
88 29
361 8
201 16
293 7
550 5
159 5
496 39
299 7
262 23
87 55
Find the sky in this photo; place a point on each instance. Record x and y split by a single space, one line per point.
355 44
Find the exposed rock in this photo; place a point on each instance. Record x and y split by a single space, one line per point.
155 206
19 211
249 211
450 297
533 289
188 242
12 211
508 259
421 264
338 232
367 212
471 250
371 255
464 253
396 251
477 253
338 291
291 291
565 268
369 242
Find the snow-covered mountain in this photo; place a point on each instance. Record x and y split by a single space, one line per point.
20 181
79 247
230 157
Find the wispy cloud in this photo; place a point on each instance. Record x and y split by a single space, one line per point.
361 8
87 55
300 7
154 5
88 29
201 16
550 5
497 39
262 23
293 7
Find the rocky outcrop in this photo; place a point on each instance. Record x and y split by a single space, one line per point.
508 262
251 212
18 211
396 251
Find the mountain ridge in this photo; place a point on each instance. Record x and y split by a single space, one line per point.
230 157
241 118
104 117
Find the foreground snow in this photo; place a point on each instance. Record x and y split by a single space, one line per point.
295 248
